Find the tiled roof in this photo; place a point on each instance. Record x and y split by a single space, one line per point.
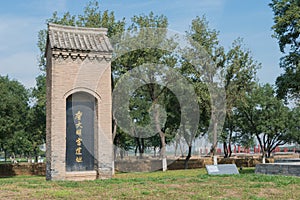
78 39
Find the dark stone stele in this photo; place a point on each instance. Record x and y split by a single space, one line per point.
87 107
222 169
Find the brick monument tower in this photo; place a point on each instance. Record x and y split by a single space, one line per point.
79 130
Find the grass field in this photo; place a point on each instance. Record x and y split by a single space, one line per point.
179 184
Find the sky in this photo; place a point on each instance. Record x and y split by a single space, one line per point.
251 20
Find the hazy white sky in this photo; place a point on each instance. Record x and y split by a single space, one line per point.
21 20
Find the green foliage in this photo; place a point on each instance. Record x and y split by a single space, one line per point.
94 18
286 27
266 117
205 44
240 78
287 30
142 110
145 31
295 124
237 65
206 38
13 115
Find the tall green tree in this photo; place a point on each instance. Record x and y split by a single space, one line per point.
146 40
239 75
13 113
287 30
267 118
142 109
37 115
240 78
205 43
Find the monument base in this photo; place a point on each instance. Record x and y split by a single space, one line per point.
105 173
287 169
81 176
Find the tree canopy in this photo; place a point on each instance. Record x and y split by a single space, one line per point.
13 115
287 30
266 117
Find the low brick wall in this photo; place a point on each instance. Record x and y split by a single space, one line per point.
288 169
134 165
140 165
244 162
145 165
192 164
7 170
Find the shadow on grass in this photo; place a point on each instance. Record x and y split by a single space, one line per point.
247 171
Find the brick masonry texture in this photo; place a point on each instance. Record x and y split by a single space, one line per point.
70 71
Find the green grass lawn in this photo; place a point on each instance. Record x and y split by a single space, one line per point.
177 184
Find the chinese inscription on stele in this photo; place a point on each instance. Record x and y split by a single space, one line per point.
80 135
79 127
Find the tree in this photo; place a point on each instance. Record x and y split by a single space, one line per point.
266 117
142 110
205 44
13 113
295 124
240 79
287 30
37 115
145 56
239 70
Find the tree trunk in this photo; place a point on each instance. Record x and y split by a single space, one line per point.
140 146
263 155
215 138
262 147
163 151
162 139
229 145
122 153
225 149
229 150
269 153
135 151
5 155
181 149
188 157
143 146
176 146
36 159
